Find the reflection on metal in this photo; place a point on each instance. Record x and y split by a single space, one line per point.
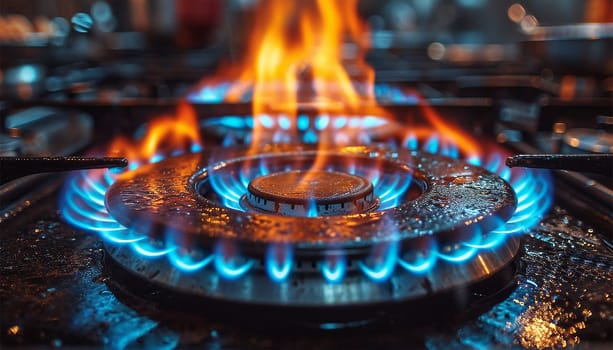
547 326
168 195
307 289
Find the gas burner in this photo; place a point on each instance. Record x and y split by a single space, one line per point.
347 242
421 195
309 128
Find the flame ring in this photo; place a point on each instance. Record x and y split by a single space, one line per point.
161 200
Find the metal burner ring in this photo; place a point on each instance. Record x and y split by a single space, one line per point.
165 198
312 301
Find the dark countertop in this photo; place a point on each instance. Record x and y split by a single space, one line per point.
55 291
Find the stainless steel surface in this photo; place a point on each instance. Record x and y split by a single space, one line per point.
447 199
308 290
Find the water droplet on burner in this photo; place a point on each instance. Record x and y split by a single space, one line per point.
105 292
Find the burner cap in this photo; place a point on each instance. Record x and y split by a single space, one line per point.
311 193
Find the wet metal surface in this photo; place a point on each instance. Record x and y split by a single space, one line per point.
55 292
458 198
353 298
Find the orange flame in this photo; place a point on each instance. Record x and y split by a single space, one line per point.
164 135
448 133
295 58
293 44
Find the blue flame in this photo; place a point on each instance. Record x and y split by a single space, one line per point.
266 121
284 122
369 122
491 240
310 136
312 209
431 145
83 206
144 248
302 122
390 193
229 264
333 268
460 254
382 262
420 261
322 122
411 142
534 195
187 263
356 128
421 265
279 260
216 93
230 269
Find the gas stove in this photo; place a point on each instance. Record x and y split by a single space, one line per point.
326 210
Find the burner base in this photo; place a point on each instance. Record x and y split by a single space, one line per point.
310 300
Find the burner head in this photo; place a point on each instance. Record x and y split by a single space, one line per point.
430 213
311 193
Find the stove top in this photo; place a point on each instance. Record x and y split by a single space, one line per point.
445 285
70 295
136 288
132 287
317 190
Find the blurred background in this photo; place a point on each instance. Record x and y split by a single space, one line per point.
92 28
106 52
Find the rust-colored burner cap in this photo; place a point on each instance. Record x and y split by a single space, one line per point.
311 193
